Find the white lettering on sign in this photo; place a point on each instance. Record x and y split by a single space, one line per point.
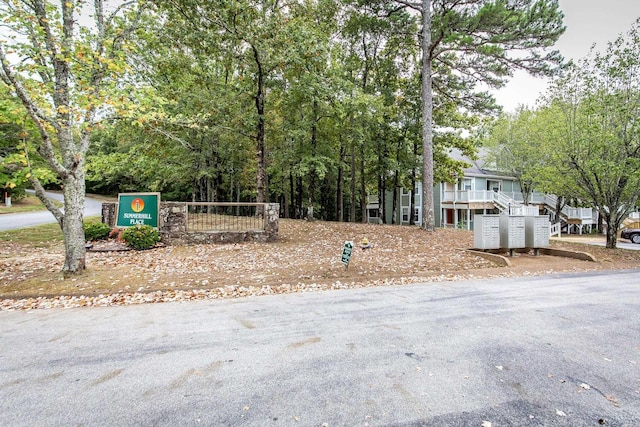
346 252
136 222
128 215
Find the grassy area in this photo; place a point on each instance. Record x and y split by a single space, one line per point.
39 236
44 235
28 204
32 204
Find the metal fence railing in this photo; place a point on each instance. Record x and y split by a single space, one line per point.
214 216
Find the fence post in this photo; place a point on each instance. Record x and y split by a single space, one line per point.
271 221
109 213
173 219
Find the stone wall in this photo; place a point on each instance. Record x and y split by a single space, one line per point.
109 214
173 222
173 226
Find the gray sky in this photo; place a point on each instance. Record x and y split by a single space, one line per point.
587 22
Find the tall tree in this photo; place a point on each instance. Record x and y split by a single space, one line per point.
478 42
380 60
514 146
203 133
593 121
257 37
65 76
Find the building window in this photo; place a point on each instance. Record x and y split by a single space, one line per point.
494 185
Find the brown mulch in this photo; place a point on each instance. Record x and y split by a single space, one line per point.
306 257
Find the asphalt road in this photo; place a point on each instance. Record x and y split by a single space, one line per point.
562 350
21 220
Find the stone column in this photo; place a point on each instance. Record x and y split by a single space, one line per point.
109 213
173 221
271 224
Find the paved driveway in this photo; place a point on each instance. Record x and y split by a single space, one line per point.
598 241
622 244
21 220
546 351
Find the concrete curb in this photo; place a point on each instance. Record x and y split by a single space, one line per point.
585 256
503 261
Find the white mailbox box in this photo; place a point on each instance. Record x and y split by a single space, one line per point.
512 232
536 229
486 232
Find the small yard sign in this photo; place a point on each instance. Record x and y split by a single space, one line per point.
138 209
346 253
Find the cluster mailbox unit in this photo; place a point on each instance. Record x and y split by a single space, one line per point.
537 233
511 232
486 232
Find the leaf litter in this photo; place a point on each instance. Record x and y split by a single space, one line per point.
306 258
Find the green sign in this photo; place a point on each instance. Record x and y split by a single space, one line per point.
346 252
138 209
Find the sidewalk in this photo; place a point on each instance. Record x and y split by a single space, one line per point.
581 238
594 239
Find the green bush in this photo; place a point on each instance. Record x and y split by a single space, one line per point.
96 231
140 236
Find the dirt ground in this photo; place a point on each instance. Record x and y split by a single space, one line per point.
306 257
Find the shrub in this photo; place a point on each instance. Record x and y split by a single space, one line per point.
140 236
96 231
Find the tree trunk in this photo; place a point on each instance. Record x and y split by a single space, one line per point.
396 173
614 219
428 220
559 206
381 200
299 197
363 188
382 172
352 212
527 190
284 205
611 231
412 220
262 192
394 202
600 224
612 242
312 169
327 211
292 192
72 223
340 189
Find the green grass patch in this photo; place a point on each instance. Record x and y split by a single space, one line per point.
28 204
32 204
39 236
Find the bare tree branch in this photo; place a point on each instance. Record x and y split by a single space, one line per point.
10 78
411 5
41 194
